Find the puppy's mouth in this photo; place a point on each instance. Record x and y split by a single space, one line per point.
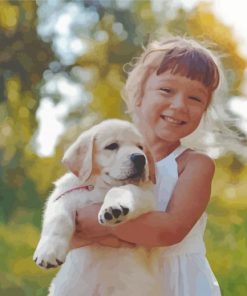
136 176
133 172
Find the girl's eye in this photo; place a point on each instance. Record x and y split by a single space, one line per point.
195 98
165 89
113 146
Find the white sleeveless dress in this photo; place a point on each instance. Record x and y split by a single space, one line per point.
184 266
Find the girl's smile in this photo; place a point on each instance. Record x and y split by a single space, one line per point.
172 120
171 108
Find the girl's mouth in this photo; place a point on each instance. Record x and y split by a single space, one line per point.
172 120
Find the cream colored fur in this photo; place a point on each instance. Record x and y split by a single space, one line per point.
97 270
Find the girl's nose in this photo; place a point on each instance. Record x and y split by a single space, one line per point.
178 102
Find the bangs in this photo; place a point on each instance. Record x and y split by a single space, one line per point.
192 63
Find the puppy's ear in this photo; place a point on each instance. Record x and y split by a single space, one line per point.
79 156
151 165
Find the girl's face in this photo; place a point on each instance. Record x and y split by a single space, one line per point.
172 107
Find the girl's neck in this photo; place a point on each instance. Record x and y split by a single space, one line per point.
159 148
162 149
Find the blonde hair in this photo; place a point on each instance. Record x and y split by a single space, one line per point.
177 55
188 58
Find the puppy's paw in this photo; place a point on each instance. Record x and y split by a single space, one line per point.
120 204
51 252
113 214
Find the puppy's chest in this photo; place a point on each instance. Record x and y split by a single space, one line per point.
85 197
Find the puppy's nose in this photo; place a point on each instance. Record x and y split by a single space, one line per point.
138 160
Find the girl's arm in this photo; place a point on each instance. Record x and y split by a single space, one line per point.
189 201
89 231
190 198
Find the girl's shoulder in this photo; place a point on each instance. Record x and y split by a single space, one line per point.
196 161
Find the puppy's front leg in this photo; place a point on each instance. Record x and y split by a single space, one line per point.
58 227
124 203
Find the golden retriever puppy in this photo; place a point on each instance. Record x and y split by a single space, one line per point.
108 163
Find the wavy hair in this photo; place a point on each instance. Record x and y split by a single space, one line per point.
188 58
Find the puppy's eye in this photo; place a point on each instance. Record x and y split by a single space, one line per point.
140 147
113 146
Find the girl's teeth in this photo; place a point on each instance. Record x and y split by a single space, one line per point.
172 120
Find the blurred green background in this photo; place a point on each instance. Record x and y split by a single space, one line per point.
61 70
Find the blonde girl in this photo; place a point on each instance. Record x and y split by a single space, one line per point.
168 92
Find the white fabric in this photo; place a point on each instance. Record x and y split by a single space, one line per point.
184 266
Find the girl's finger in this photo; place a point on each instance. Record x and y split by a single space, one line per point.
78 243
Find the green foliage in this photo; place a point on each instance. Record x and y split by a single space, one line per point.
19 274
23 59
227 226
27 63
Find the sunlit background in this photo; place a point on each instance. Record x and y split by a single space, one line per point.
61 70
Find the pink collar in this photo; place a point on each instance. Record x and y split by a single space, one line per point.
87 187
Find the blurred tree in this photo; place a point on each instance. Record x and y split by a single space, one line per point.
111 33
23 59
204 26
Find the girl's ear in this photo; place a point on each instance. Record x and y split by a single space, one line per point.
78 158
151 165
140 90
138 100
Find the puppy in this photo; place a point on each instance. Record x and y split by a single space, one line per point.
110 164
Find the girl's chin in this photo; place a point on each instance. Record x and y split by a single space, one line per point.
169 137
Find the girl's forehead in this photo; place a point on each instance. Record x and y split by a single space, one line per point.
191 62
176 80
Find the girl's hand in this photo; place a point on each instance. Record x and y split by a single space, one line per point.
89 231
87 225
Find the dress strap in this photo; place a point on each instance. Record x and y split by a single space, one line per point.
178 151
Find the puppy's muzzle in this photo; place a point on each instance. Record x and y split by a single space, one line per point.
139 162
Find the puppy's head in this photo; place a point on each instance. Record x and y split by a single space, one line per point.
113 150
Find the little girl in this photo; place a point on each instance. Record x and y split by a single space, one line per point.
168 92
